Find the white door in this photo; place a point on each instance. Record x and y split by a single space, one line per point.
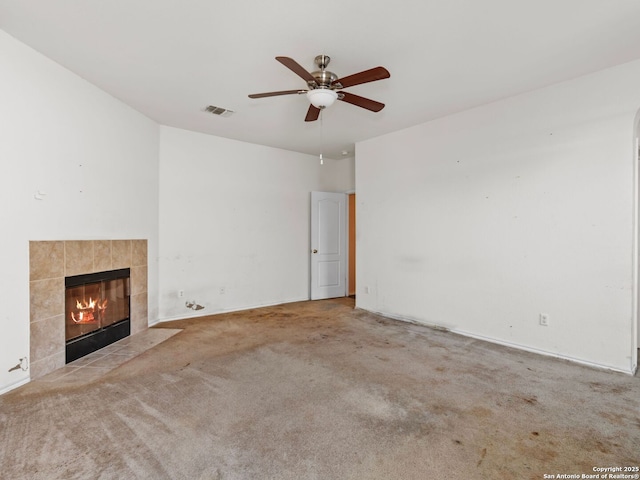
328 245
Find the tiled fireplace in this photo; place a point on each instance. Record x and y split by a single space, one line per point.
49 263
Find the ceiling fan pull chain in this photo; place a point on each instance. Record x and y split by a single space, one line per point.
321 137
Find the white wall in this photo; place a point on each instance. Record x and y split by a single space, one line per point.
233 216
97 161
338 175
480 221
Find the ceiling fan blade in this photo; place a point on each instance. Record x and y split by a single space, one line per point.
296 68
274 94
359 101
371 75
312 114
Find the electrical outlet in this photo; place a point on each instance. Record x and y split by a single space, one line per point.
180 293
544 319
366 290
222 290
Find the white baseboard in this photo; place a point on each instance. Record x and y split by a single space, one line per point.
204 313
12 386
630 371
544 352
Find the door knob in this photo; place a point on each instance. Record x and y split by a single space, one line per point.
315 250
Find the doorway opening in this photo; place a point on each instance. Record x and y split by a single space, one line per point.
333 245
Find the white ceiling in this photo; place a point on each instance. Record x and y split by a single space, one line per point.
170 59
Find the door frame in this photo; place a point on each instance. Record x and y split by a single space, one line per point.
635 327
348 220
347 270
344 244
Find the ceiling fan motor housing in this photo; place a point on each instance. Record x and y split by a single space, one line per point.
324 79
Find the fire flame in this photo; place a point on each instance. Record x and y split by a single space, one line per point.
86 310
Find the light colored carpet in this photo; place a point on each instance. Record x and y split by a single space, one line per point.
317 390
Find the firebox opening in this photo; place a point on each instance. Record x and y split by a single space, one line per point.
96 311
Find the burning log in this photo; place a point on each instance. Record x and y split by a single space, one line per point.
86 310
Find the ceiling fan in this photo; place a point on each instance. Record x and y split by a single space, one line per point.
324 87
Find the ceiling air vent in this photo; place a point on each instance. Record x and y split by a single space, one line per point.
222 112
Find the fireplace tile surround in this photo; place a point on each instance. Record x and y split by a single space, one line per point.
49 263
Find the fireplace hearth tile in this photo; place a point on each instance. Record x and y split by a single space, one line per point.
138 280
78 257
113 348
138 253
55 375
80 375
47 337
47 298
102 255
121 253
129 350
46 260
114 360
46 365
108 358
139 315
89 359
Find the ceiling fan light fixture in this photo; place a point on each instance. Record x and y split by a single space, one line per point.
322 97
